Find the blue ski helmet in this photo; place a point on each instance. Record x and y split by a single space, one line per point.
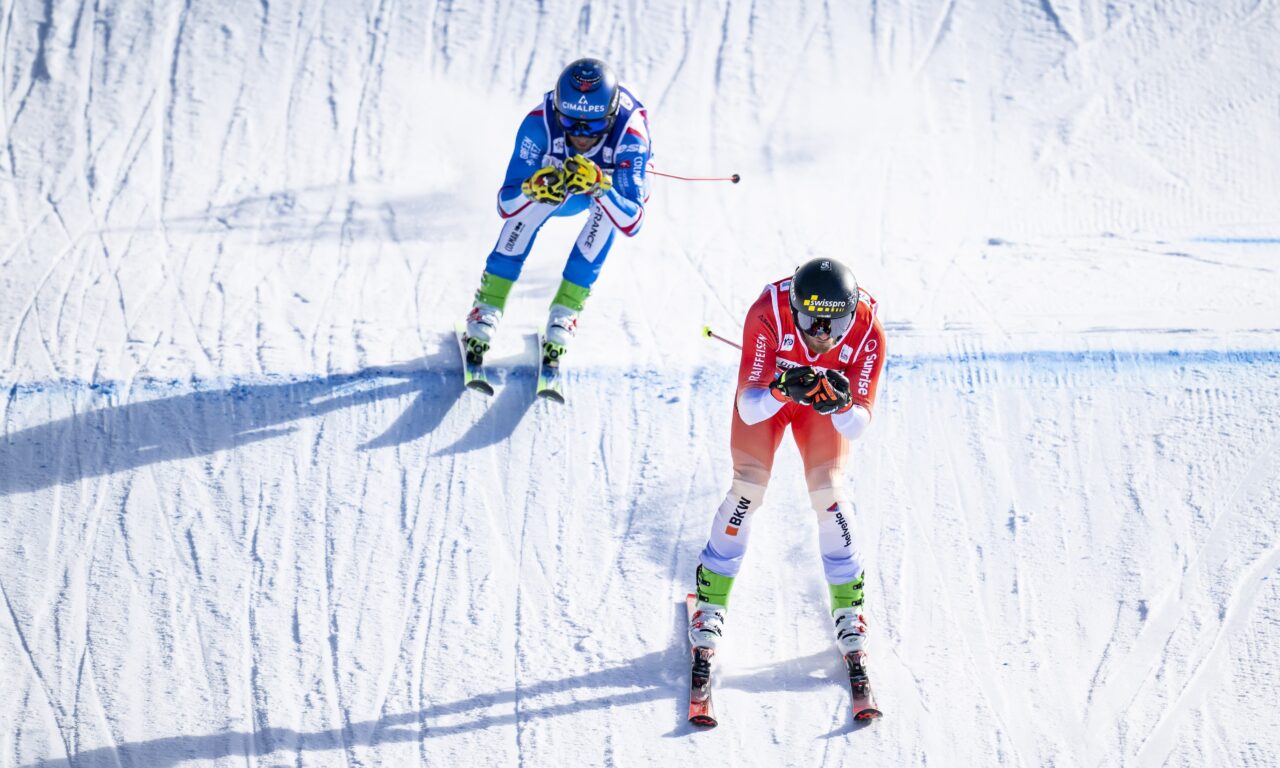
586 98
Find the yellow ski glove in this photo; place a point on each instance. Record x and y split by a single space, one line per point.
583 177
546 185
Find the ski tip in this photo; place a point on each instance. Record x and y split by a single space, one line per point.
701 713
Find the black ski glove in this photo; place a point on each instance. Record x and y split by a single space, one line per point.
831 393
794 384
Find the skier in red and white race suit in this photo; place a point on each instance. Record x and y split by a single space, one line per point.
812 353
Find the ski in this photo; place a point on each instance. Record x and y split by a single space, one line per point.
473 373
701 711
864 701
550 383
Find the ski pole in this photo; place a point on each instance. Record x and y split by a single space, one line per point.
735 178
710 334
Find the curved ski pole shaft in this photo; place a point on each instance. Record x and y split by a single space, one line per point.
734 178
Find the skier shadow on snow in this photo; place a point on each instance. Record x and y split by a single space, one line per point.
513 398
119 438
659 675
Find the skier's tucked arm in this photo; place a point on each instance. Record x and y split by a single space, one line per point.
526 159
755 405
863 374
853 422
756 401
624 202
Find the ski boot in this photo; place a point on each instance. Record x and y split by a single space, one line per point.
482 323
706 627
486 311
851 638
562 321
846 612
562 325
851 630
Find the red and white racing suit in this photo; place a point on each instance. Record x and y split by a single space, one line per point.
770 344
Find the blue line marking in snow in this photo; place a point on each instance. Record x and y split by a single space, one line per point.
1237 240
239 387
1050 359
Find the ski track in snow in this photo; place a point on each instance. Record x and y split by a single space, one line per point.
251 519
535 698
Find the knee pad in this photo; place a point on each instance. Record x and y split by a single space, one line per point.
829 494
744 487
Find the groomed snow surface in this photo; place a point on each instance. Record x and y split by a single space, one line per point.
249 518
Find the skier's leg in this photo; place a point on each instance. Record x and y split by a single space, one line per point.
501 271
824 451
516 239
753 447
731 530
580 272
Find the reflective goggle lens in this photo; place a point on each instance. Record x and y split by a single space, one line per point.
575 127
824 327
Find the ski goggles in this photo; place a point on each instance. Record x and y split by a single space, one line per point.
823 328
576 127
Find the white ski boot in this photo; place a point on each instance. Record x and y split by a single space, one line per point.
562 326
851 630
706 626
482 324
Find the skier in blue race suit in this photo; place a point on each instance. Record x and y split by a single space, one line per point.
584 148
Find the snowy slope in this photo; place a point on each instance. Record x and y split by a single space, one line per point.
249 518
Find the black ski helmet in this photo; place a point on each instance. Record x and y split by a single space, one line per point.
586 98
824 298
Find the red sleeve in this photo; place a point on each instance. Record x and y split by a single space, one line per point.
864 369
759 345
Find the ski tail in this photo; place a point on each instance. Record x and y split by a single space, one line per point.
701 713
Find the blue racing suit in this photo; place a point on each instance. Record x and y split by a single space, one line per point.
623 154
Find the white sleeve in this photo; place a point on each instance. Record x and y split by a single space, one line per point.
852 422
756 404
